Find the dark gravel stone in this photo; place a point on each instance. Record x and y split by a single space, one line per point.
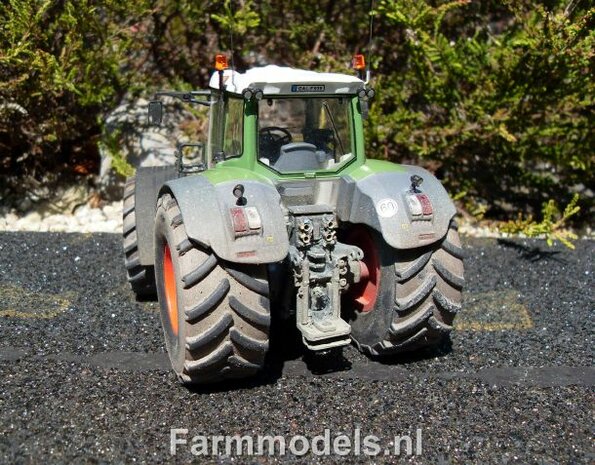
84 376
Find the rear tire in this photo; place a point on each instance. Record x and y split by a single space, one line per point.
219 328
418 296
140 277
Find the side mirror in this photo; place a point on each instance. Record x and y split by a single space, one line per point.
155 112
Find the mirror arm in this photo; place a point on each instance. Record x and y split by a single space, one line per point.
186 96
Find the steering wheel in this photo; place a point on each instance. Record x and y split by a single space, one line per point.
271 139
270 134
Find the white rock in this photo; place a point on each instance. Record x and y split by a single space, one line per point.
140 144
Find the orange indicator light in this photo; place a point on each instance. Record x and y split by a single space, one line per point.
358 62
221 62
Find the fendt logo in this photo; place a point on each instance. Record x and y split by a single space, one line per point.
306 88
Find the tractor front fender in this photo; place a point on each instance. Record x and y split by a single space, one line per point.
207 211
386 202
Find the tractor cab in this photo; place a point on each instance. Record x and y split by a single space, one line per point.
285 120
277 121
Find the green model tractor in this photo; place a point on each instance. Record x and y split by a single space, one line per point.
282 216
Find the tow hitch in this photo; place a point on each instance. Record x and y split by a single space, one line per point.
323 268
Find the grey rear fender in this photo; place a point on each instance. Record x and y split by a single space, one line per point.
385 202
207 211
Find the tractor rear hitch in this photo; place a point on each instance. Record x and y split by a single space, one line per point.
322 269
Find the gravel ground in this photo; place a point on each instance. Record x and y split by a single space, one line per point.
84 377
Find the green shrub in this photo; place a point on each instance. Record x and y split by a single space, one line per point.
552 225
63 64
498 102
495 97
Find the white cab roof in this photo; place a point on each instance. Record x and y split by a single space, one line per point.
278 80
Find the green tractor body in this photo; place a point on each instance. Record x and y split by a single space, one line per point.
284 217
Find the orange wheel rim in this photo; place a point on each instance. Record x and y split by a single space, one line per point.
365 292
171 296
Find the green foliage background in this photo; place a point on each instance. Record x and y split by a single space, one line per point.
495 97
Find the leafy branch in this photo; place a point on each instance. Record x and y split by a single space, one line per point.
551 226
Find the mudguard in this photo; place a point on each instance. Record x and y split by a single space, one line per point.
386 202
148 181
207 211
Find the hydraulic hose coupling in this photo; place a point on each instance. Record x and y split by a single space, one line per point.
306 229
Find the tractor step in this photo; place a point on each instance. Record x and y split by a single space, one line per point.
326 334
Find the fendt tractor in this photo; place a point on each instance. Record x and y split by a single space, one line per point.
280 215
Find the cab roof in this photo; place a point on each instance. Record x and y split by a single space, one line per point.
279 80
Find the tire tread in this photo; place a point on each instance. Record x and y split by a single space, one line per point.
226 308
423 317
140 277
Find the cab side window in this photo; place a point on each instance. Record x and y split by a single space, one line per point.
234 128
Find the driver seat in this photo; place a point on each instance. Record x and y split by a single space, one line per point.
298 156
